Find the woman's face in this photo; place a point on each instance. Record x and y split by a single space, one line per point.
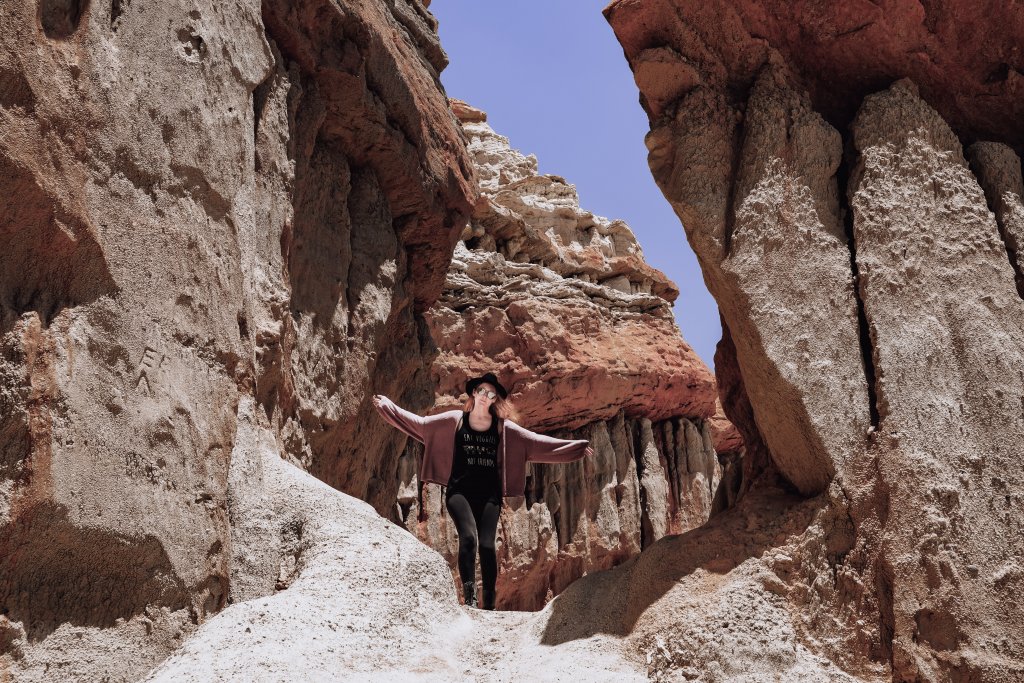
480 395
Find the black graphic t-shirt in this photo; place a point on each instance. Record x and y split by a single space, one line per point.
475 463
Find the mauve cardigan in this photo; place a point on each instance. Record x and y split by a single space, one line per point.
518 446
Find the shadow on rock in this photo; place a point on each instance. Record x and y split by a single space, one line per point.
53 571
612 602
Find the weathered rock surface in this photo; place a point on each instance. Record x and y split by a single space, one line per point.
882 374
999 171
362 599
223 227
201 204
371 603
562 301
562 304
964 54
953 540
360 154
721 602
365 601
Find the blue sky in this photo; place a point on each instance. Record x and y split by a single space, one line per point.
553 79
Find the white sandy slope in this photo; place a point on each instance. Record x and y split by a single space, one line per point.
366 601
363 600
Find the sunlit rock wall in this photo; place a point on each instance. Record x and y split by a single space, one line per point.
201 203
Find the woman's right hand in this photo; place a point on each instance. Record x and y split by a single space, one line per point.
378 400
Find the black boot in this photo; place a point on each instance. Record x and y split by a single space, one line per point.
488 598
469 593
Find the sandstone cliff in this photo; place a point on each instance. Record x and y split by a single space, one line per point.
562 305
872 356
201 204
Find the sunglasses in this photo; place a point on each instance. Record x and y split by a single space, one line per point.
486 392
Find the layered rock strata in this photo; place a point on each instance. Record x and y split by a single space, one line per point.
202 205
882 372
561 300
562 305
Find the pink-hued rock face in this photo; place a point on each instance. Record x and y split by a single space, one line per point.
560 302
868 280
723 432
561 305
963 55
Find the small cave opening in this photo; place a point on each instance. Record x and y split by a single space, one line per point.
60 18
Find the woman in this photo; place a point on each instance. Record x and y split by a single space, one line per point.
480 455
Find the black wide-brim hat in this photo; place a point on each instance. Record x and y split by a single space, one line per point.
489 378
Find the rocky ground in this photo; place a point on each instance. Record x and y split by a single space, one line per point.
358 598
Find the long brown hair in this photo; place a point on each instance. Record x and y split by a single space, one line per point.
501 407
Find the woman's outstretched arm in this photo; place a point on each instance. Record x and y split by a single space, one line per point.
410 423
548 449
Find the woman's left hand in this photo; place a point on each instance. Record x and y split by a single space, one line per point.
589 453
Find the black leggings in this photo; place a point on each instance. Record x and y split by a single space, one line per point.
476 519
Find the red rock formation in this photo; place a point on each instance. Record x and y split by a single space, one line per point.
869 293
579 327
561 301
367 173
724 435
963 55
222 226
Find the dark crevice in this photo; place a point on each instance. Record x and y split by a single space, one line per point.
993 198
755 460
646 529
730 208
117 8
672 429
259 101
855 29
867 356
886 613
557 521
1012 254
60 18
998 75
531 491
